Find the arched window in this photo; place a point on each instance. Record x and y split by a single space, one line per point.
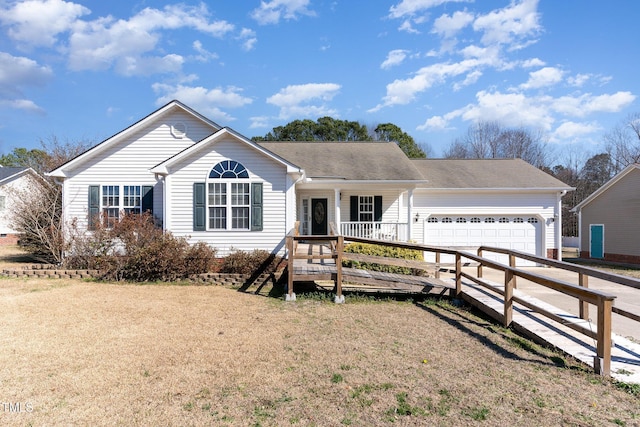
229 169
233 202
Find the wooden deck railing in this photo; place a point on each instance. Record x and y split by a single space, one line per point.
585 296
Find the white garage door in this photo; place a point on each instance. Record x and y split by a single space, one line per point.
521 233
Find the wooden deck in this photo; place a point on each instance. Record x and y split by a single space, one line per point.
324 269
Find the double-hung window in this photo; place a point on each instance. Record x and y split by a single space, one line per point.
365 208
233 202
110 201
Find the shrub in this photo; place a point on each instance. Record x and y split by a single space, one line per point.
386 252
256 261
137 249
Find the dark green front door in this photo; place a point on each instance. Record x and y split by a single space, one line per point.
319 217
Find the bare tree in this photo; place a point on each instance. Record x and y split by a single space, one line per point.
490 140
623 142
36 210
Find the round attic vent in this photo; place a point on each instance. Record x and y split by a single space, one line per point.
178 130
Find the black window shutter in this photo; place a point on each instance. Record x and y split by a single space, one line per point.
94 206
353 217
147 198
377 208
199 207
256 206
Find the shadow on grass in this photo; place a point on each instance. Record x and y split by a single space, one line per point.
455 317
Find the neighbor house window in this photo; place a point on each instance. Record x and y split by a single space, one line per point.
111 201
233 202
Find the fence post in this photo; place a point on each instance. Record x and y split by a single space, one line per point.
509 279
458 275
602 363
479 265
291 252
339 249
583 280
512 264
437 264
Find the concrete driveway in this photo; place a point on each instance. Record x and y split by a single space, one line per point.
627 298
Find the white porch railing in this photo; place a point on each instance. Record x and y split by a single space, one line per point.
376 230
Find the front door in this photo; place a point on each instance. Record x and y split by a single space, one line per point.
596 241
319 217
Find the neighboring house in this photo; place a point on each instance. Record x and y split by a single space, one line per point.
608 219
211 184
12 180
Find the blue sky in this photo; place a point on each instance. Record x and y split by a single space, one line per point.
84 70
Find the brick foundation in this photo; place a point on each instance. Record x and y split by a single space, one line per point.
619 258
9 239
552 253
54 272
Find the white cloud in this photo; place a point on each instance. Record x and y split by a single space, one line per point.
579 79
470 79
259 122
533 62
585 104
129 45
395 57
434 123
22 104
207 101
18 73
307 100
271 12
412 7
511 24
510 109
203 54
39 22
547 76
571 130
449 25
248 38
401 92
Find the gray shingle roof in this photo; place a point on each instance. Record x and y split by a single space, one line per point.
485 173
6 172
359 161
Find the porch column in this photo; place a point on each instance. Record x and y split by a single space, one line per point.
409 213
337 209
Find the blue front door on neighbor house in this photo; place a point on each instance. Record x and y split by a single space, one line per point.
596 241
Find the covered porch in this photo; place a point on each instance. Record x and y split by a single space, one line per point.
363 212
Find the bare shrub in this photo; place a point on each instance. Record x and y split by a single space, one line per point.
135 249
250 262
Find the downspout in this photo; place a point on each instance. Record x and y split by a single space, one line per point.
409 213
558 224
337 202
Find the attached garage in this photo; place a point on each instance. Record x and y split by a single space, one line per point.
517 232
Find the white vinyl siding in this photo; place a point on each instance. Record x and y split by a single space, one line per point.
494 205
261 169
127 162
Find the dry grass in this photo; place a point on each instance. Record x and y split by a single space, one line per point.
82 353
